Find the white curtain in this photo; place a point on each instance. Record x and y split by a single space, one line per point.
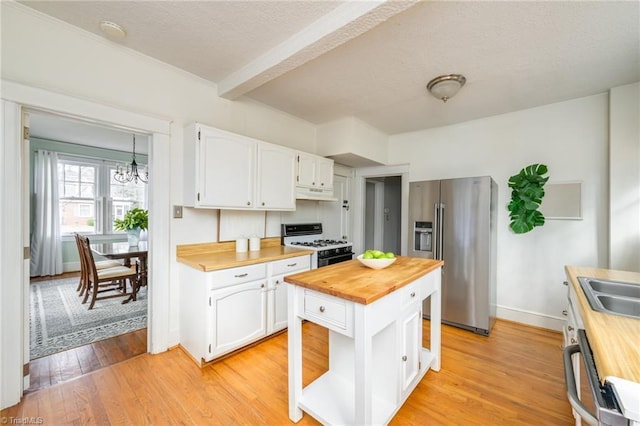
46 243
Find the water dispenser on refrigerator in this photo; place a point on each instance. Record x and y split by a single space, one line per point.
423 236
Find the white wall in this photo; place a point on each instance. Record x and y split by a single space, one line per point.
624 170
43 52
571 138
352 136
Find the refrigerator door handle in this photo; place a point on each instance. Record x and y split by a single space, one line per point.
441 233
436 240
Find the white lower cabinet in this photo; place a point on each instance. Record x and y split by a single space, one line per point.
411 345
224 310
239 316
277 297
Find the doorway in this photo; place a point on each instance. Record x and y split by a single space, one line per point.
383 213
63 331
380 205
14 224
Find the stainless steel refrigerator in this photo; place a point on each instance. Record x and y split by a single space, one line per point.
455 220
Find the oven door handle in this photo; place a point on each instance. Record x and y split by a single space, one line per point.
572 389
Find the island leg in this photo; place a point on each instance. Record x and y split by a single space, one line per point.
436 326
295 355
363 359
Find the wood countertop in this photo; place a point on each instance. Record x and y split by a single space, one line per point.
614 339
214 256
355 282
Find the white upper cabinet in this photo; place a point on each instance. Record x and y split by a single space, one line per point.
276 177
314 177
224 170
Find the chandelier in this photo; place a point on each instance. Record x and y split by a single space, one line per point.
129 174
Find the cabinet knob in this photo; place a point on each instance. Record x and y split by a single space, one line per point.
321 308
573 341
291 265
248 203
565 283
322 184
569 328
413 294
313 183
564 312
277 282
262 285
404 357
241 275
263 203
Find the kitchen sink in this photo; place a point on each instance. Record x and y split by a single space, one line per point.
612 297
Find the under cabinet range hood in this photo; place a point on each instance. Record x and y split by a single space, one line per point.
304 193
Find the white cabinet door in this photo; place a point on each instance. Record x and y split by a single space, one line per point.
277 304
306 170
276 178
324 173
226 167
411 335
239 316
277 301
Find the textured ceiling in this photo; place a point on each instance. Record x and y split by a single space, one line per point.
322 61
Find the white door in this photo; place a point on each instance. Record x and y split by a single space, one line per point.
335 215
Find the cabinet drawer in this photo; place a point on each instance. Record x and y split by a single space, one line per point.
328 311
232 276
293 264
410 295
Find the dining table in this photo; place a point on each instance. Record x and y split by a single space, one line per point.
125 252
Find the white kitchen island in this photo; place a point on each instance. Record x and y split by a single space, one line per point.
374 318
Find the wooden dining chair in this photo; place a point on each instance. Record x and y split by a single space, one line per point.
84 270
109 280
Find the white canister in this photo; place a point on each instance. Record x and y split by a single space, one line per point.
241 245
254 243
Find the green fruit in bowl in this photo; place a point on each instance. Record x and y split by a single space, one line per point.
389 255
367 255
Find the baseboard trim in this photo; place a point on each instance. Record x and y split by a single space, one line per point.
530 318
71 267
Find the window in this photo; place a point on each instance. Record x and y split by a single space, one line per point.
124 196
90 198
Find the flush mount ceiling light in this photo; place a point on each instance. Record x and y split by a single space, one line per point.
446 86
113 31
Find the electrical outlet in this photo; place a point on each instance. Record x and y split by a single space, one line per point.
177 212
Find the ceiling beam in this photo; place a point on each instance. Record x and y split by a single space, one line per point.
344 23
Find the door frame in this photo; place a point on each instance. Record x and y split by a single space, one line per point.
360 182
14 358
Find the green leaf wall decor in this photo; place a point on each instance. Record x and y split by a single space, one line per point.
527 191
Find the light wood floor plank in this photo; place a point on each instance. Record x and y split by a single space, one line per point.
513 377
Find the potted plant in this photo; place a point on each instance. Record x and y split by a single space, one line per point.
527 190
134 221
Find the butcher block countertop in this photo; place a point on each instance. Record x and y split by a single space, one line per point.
614 339
214 256
355 282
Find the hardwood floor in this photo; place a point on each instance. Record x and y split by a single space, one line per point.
66 365
513 377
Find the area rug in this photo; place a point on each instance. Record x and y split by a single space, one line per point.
59 321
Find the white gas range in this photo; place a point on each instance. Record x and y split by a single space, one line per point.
309 236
